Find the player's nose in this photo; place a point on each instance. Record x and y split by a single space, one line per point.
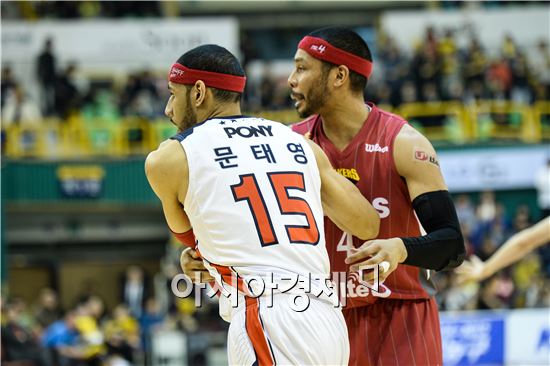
168 110
292 80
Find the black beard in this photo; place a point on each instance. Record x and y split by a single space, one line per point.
316 98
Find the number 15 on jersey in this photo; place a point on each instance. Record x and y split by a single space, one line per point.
281 183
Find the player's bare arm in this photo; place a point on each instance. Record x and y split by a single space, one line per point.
417 162
343 203
165 168
443 246
167 172
511 251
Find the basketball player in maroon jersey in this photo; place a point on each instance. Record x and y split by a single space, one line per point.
396 169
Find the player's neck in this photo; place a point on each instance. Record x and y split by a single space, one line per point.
343 120
223 110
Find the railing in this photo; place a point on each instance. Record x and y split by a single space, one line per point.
439 121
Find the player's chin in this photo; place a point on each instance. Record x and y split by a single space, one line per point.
303 112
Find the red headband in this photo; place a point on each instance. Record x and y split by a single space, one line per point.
322 50
180 74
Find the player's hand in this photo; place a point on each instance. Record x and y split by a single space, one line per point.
193 267
471 270
375 252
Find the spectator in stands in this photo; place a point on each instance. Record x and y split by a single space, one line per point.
474 64
267 89
122 334
496 292
427 64
20 109
395 66
487 207
24 316
134 290
46 73
540 60
408 93
140 96
499 79
67 95
96 308
450 64
476 92
151 320
527 280
48 310
430 93
383 95
522 218
18 342
91 341
521 88
7 84
460 296
62 338
465 210
509 49
512 250
542 183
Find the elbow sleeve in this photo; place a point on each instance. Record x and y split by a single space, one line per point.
443 245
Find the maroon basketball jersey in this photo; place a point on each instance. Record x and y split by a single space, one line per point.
368 162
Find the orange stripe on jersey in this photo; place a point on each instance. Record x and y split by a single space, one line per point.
228 275
255 332
211 283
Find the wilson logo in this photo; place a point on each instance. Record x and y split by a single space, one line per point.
376 148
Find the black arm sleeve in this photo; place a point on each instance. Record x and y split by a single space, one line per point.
443 246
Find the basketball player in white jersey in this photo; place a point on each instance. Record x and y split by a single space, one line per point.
252 192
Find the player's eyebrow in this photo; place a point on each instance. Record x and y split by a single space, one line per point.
298 59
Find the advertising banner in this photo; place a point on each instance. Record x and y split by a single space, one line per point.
492 168
113 45
472 340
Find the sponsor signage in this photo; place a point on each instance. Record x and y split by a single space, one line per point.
494 168
475 340
129 44
80 181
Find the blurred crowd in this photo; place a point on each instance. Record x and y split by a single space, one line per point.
64 93
89 334
31 10
437 70
486 226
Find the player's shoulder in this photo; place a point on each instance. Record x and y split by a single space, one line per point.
387 116
181 136
168 155
304 126
410 135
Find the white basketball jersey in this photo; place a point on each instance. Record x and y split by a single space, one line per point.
254 197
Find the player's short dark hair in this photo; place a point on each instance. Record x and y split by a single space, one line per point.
349 41
214 58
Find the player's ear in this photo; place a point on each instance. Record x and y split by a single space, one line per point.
199 93
342 74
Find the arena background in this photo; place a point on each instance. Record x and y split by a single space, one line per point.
80 226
